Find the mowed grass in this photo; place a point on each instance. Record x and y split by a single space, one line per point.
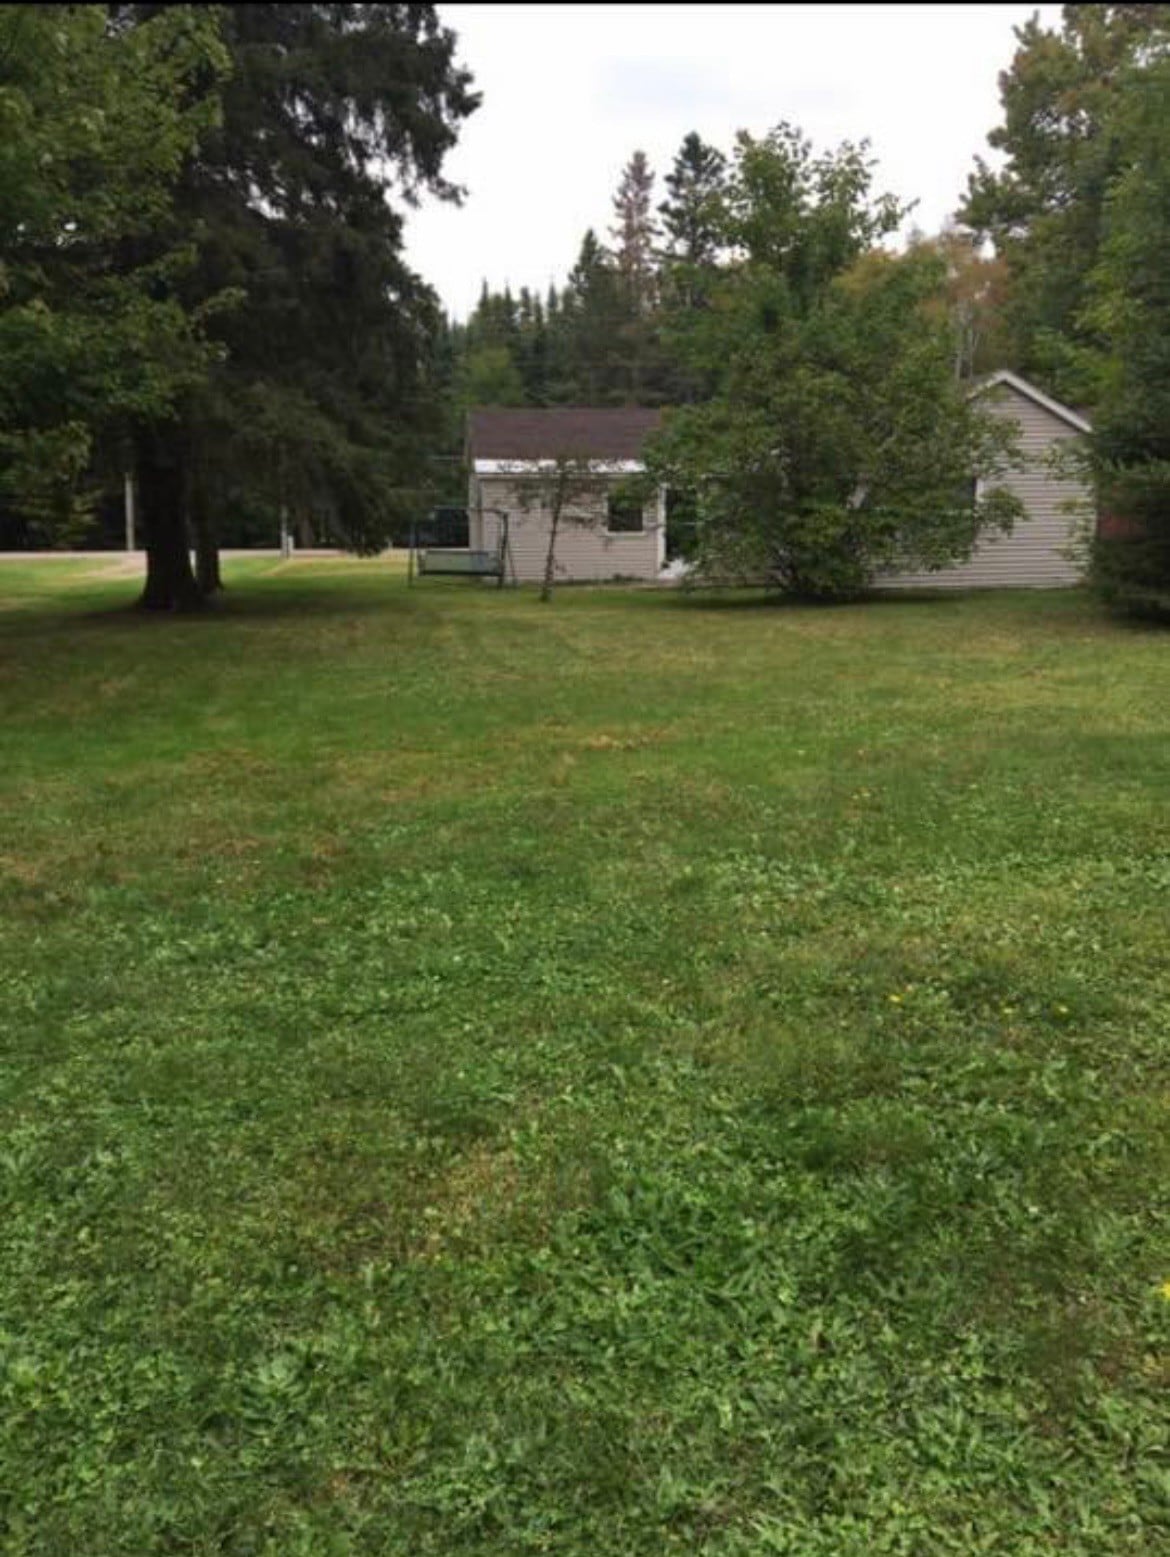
633 1076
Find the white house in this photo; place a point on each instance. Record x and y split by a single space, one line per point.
1036 555
603 536
508 451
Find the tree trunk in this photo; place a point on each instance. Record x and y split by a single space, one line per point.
200 525
170 583
550 562
207 574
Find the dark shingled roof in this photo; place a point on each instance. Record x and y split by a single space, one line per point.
580 432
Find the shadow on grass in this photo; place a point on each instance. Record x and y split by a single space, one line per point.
754 599
249 603
1055 608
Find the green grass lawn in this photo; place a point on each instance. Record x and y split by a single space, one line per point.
647 1074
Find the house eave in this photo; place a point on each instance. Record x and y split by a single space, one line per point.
484 467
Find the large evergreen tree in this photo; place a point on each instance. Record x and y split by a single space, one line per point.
95 122
692 212
634 233
694 220
327 392
1044 208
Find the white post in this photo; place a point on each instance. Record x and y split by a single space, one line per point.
286 544
128 505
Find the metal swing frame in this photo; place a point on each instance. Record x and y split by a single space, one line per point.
462 561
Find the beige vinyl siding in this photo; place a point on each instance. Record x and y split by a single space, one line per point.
585 553
474 523
1033 555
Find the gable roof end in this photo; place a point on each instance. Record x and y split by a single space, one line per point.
1030 392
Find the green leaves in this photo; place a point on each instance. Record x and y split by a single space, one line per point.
99 121
194 218
324 402
1130 306
838 433
1047 208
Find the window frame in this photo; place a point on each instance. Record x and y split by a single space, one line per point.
643 528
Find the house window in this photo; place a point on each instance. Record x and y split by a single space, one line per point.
967 494
624 516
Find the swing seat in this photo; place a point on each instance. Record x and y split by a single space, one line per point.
460 560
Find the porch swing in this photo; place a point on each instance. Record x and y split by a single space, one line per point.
462 561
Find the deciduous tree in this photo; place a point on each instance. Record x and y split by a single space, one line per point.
838 440
973 301
567 489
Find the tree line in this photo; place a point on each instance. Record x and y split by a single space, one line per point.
613 334
600 339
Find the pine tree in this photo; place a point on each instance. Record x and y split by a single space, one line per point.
328 393
634 233
558 374
590 318
694 219
98 121
532 347
1130 304
1045 208
691 215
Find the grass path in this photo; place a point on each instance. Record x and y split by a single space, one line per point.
643 1075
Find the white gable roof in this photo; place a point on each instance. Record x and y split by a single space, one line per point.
1030 392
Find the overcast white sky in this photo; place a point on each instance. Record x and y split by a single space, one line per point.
569 91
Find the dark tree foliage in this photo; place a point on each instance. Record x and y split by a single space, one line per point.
1078 216
694 220
328 393
635 234
1130 447
95 122
1045 209
591 316
634 231
598 340
692 212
